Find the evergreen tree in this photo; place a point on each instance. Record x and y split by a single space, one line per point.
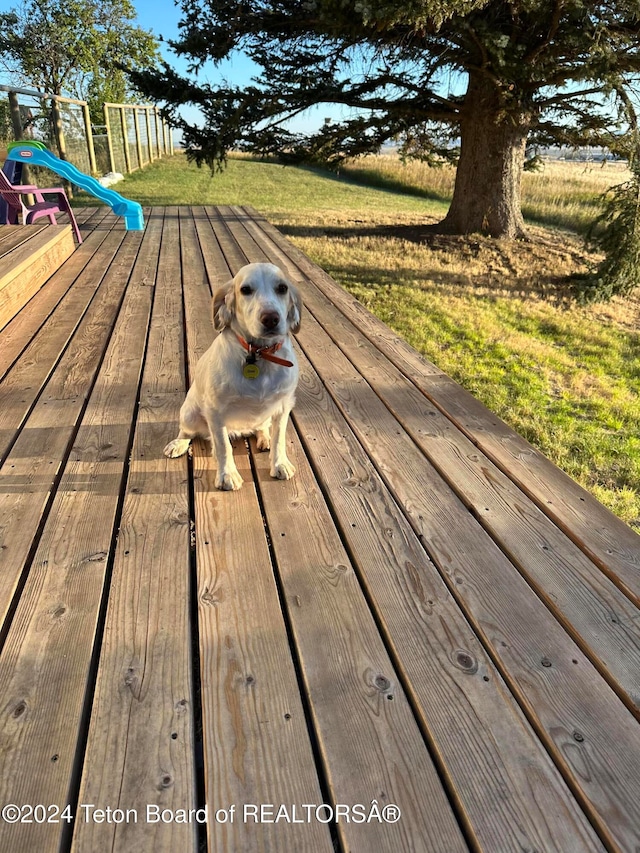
536 72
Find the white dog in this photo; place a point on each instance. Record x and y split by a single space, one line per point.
241 385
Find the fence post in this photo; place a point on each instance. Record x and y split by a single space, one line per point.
112 161
138 140
59 137
164 136
147 110
16 122
89 135
125 139
156 122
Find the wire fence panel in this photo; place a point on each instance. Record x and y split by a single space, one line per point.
156 131
132 137
116 140
101 148
142 136
75 136
131 141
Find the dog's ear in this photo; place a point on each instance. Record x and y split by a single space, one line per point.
294 314
223 308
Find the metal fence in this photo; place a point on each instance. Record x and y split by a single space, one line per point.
132 135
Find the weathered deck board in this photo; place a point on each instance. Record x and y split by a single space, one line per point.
46 665
339 645
429 614
58 346
553 824
141 734
24 325
249 690
578 514
30 265
368 736
459 697
591 607
17 235
33 462
492 594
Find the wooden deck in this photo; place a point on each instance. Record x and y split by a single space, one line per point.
430 629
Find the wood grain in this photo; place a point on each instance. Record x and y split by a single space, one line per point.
24 326
29 266
24 382
609 543
601 535
592 609
256 743
367 734
45 663
514 798
12 236
513 624
140 749
30 469
494 832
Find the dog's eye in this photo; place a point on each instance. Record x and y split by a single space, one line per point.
245 290
282 288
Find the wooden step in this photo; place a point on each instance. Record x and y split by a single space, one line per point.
29 255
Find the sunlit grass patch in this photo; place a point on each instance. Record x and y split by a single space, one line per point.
562 378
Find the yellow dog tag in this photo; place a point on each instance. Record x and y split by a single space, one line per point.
251 371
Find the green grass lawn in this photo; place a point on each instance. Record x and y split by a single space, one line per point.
267 186
487 312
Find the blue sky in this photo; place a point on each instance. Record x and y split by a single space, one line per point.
156 15
162 19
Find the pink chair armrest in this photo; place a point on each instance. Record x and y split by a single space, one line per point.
27 188
40 193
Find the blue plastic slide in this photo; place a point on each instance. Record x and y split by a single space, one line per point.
36 153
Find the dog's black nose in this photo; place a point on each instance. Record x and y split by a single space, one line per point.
270 320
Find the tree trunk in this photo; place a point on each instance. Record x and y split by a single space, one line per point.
487 194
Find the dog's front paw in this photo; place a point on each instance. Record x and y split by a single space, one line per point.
177 447
229 481
283 470
263 441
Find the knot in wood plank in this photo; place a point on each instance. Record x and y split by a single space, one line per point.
465 661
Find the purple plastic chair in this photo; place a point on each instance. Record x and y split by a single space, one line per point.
12 194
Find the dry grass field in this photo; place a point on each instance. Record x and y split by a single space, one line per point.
561 192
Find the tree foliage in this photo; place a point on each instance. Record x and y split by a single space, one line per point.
554 68
76 47
537 72
616 233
